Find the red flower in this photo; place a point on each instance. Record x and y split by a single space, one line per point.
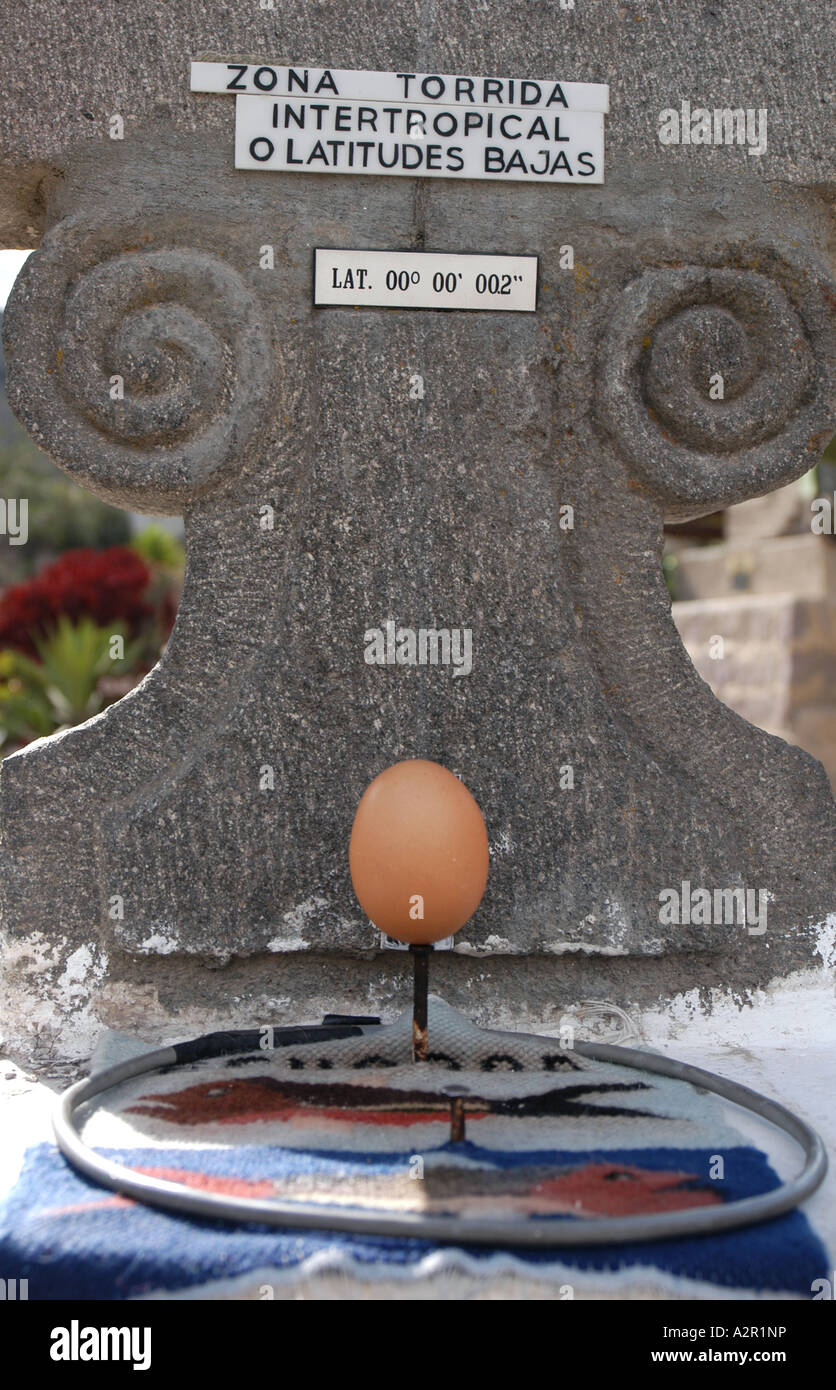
107 585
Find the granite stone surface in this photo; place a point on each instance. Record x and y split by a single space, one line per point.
152 874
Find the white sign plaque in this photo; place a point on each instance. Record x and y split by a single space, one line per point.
262 79
424 280
336 137
424 125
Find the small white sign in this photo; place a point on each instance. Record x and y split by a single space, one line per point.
424 280
332 137
447 90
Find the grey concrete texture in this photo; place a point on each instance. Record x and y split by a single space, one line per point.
438 512
70 66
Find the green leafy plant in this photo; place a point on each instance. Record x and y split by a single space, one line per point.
159 549
75 656
69 682
670 564
26 711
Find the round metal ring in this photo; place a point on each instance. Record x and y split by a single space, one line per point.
508 1233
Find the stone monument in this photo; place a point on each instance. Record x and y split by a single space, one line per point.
351 474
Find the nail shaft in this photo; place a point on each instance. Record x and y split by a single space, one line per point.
421 973
457 1120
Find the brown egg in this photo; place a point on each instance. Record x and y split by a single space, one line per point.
419 852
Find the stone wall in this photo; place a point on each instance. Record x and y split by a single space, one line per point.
150 878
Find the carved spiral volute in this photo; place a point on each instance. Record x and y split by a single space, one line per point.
143 372
716 382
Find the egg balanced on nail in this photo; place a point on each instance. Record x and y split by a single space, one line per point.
419 853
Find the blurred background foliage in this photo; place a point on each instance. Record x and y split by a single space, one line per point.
86 604
61 515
